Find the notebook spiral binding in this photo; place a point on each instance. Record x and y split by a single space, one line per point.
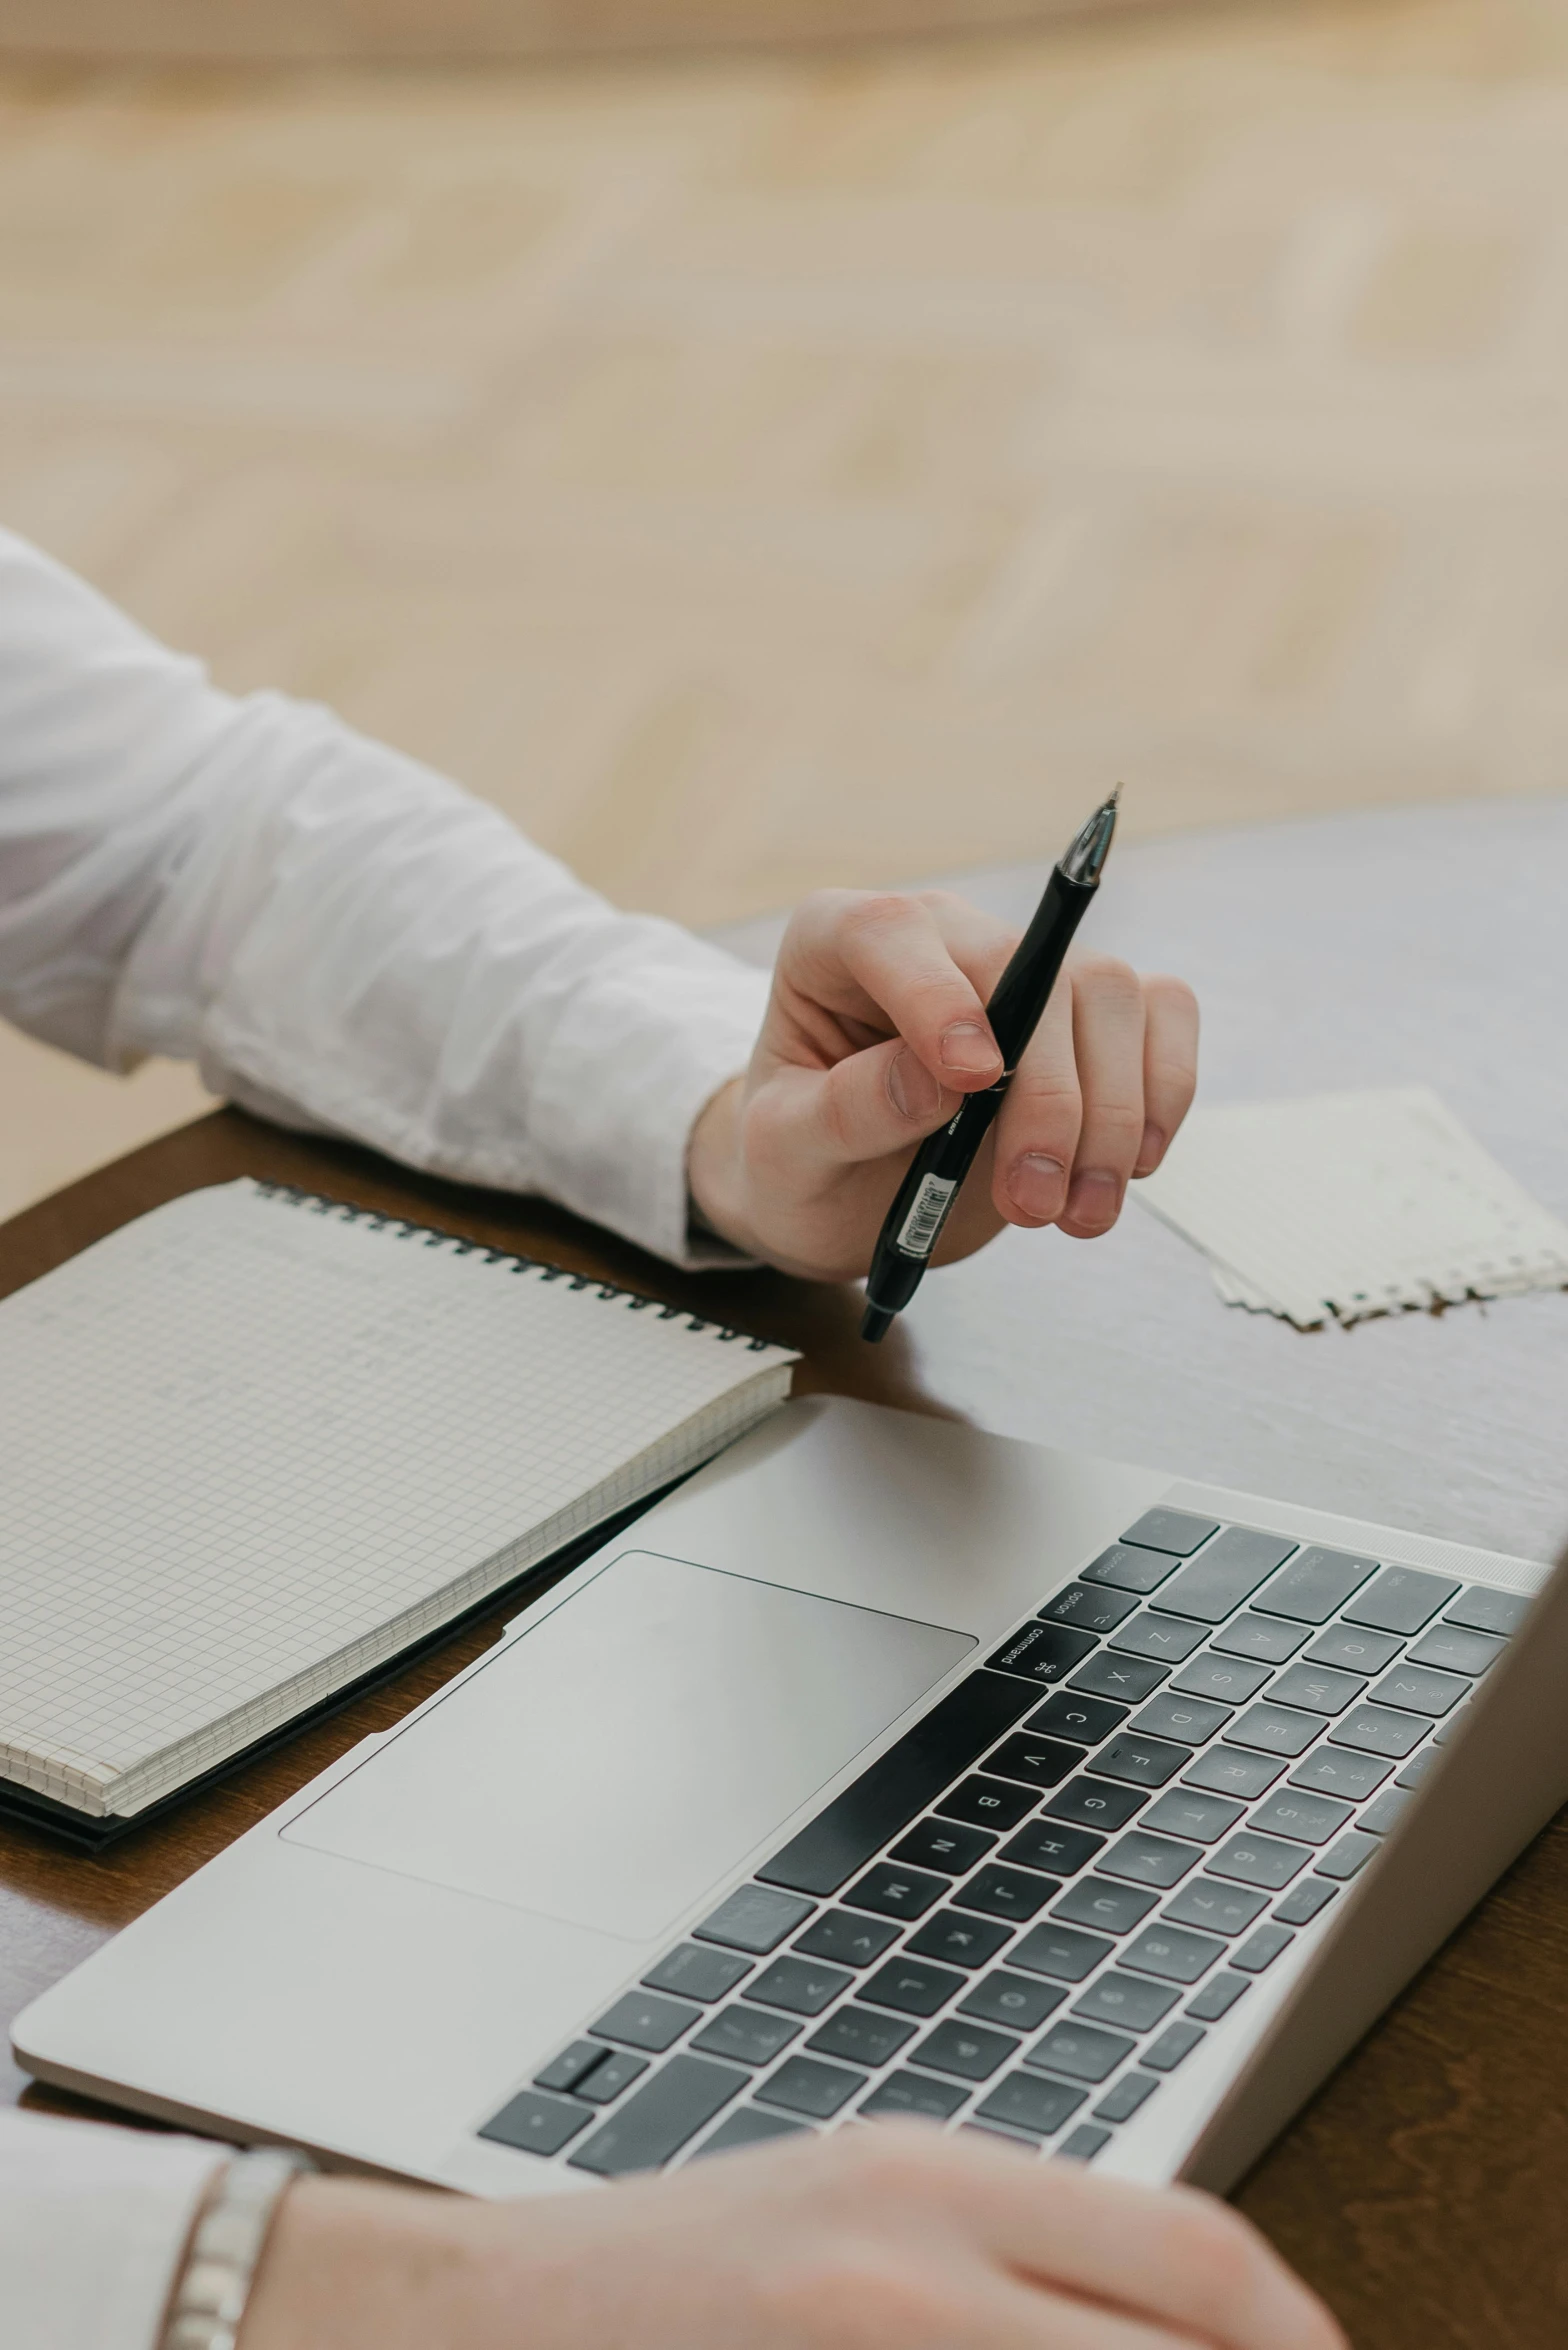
322 1203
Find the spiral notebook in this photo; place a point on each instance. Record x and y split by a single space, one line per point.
257 1444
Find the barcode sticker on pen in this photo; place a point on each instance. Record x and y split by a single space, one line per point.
924 1220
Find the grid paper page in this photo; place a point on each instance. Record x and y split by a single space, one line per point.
247 1434
1343 1205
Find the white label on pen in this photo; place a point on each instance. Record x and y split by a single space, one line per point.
924 1220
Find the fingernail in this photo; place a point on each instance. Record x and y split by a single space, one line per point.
966 1046
915 1092
1095 1199
1150 1150
1035 1185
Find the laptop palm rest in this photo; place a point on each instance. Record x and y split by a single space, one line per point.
623 1754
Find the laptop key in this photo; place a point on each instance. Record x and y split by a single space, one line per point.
1230 1680
1127 1680
1259 1860
1096 1902
1013 2000
895 1892
1226 1770
1059 1851
1092 1608
856 1825
1401 1599
1485 1610
1015 1894
914 1985
1178 1531
1172 1953
1142 1762
749 2127
1378 1729
1302 1903
942 1844
1217 1908
1320 1689
1090 1803
644 2019
755 1918
1084 2052
1343 1859
1149 1860
536 2124
1083 2143
1451 1729
1331 1771
1274 1729
660 2117
968 2051
574 2064
1127 1569
1084 1719
801 1985
1453 1650
1026 2102
860 2037
1175 2043
1043 1652
1262 1948
844 1939
1190 1719
1123 2098
618 2071
1290 1811
1421 1689
988 1803
1060 1951
1266 1638
1217 1998
956 1940
803 2085
1415 1769
1228 1572
744 2036
1383 1813
1180 1811
1316 1583
694 1973
1115 1998
1037 1762
1352 1648
1166 1639
914 2093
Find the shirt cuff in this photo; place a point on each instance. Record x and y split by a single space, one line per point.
93 2223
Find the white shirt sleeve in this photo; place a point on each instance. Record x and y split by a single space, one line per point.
344 941
92 2225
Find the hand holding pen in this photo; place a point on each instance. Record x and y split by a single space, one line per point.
877 1030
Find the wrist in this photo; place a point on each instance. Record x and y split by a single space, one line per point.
353 2266
715 1169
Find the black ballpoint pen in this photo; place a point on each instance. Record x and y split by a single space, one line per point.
926 1195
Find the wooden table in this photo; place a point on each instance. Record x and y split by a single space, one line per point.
1422 2192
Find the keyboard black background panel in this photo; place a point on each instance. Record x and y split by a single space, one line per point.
1134 1807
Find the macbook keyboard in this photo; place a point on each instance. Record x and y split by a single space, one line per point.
1028 1912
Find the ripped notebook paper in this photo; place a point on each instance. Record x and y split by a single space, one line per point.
1343 1205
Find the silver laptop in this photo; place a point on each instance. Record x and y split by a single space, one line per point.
887 1767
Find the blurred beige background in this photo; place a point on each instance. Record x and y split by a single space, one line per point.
767 470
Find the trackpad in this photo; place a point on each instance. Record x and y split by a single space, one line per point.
612 1763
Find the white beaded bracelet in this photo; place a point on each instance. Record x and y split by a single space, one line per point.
220 2267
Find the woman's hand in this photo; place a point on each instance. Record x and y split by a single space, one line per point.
883 2236
876 1029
